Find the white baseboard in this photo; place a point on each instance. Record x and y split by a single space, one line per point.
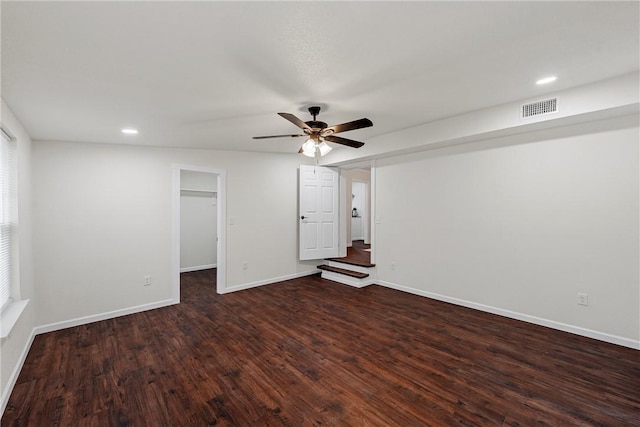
245 286
198 268
43 329
6 393
601 336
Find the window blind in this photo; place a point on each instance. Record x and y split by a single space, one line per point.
8 216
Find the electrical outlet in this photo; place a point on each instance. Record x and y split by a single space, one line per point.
245 265
147 280
583 299
393 265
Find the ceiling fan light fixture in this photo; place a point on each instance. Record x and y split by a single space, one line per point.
324 148
309 148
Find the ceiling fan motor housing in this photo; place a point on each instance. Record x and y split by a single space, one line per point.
314 124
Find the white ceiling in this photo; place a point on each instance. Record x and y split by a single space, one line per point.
214 74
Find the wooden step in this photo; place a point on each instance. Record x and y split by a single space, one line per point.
352 262
346 272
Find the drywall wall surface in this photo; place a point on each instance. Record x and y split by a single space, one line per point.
13 347
198 230
103 221
522 223
191 180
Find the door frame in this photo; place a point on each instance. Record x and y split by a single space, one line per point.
221 255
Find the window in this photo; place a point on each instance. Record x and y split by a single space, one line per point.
8 217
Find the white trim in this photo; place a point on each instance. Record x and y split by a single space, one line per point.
197 268
343 241
245 286
221 278
175 234
43 329
601 336
347 280
10 316
8 389
221 253
372 213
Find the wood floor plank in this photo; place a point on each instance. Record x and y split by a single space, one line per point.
310 352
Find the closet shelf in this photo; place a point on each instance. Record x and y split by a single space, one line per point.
198 191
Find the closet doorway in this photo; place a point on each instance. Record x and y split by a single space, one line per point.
198 221
198 224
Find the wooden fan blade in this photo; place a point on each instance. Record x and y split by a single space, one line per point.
296 121
343 141
278 136
356 124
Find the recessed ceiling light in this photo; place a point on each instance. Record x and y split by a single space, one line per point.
546 80
130 131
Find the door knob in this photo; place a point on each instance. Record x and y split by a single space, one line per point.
302 217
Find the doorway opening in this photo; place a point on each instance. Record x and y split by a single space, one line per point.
199 234
358 235
198 221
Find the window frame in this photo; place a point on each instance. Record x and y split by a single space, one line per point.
11 304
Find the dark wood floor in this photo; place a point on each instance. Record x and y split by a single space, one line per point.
357 251
356 254
311 352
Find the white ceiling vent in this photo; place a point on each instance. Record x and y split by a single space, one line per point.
539 108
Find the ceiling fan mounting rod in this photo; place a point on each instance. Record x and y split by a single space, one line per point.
314 111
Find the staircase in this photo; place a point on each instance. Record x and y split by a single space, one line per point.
348 272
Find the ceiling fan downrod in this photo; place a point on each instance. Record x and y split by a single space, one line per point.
314 111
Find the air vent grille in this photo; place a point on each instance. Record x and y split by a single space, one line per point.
541 107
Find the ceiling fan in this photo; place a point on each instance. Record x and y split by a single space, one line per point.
319 132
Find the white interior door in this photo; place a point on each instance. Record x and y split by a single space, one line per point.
319 214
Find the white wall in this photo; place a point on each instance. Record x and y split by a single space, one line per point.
102 221
521 225
358 203
198 220
13 347
198 234
191 180
358 196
